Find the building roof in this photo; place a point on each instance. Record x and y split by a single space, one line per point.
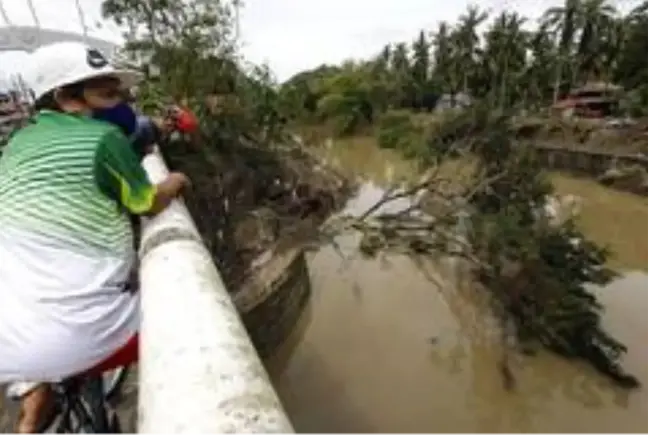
599 86
571 102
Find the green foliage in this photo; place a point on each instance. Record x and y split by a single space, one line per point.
192 41
508 67
635 102
539 272
396 130
346 100
192 44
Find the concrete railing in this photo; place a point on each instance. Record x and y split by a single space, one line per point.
199 372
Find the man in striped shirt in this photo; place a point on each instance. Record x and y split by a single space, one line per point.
67 184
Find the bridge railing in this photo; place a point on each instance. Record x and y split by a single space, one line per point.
199 371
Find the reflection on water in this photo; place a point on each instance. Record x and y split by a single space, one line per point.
383 349
386 350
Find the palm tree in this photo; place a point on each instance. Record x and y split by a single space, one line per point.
467 43
589 35
541 65
383 60
631 67
505 57
443 56
563 21
400 67
420 59
597 21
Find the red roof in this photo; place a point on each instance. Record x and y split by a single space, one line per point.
567 103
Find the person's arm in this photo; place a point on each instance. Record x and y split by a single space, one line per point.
121 177
146 136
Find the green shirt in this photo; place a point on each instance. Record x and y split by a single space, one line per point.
73 178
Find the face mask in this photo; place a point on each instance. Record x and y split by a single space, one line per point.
122 115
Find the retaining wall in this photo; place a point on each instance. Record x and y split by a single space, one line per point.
584 161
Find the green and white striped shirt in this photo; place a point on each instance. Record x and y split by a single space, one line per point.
66 248
72 178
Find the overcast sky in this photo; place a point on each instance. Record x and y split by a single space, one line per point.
292 35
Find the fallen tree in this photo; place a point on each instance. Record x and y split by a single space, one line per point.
538 272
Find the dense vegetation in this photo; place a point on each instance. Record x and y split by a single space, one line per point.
249 190
501 63
538 273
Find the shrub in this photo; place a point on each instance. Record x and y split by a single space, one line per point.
396 130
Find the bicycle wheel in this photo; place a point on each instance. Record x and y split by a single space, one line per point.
93 398
82 408
113 380
114 425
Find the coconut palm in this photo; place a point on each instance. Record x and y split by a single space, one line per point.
598 30
505 58
564 23
541 66
445 59
467 43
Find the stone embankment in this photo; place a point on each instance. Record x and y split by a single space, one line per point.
627 172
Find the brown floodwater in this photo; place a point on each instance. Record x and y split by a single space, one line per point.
383 348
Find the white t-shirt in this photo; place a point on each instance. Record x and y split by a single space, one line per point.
61 312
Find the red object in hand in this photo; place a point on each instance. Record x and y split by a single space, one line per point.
186 121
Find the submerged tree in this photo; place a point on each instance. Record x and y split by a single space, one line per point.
537 272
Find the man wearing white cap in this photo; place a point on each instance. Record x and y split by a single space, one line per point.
67 184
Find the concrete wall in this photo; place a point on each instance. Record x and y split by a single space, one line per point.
586 162
272 301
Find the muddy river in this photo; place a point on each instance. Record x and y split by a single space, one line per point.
381 348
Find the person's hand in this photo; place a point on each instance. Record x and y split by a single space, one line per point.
169 189
181 180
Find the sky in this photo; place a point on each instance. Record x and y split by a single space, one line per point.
293 35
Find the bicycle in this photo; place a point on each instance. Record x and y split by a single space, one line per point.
83 404
113 381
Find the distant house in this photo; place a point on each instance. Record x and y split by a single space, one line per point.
593 100
458 101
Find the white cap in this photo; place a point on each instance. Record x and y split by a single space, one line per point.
65 63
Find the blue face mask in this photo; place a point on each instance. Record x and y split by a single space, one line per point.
122 115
